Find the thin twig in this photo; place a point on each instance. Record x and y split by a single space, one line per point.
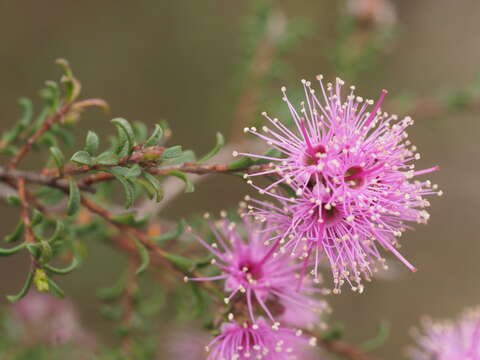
36 178
29 236
40 131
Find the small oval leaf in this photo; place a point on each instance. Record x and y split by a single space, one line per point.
82 158
74 199
58 157
124 127
25 288
144 257
216 149
189 187
91 142
156 137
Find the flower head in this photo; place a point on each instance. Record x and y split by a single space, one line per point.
40 318
350 168
259 341
448 340
268 282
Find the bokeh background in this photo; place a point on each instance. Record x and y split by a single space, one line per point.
177 60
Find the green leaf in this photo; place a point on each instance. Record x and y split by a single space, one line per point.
140 130
144 257
199 297
152 186
66 270
134 171
58 157
240 164
220 142
380 339
113 292
25 288
50 196
48 139
91 143
51 93
37 218
107 158
72 85
73 204
13 200
11 251
156 137
111 313
334 333
129 219
45 252
65 135
188 183
34 249
185 156
127 186
9 150
124 127
82 157
17 233
172 152
59 228
173 234
27 111
181 262
55 289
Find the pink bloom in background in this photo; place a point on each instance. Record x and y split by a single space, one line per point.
260 341
184 344
41 318
350 167
381 12
448 340
248 267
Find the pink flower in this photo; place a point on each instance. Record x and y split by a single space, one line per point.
184 344
448 340
381 12
260 341
350 171
267 282
40 318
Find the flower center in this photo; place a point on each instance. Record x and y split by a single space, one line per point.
311 156
330 216
354 177
251 270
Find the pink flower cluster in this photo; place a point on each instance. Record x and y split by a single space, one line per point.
342 192
449 340
258 282
343 188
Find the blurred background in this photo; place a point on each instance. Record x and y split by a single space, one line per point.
184 61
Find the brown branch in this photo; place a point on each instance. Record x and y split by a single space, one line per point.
202 169
36 178
146 157
51 177
22 194
40 131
